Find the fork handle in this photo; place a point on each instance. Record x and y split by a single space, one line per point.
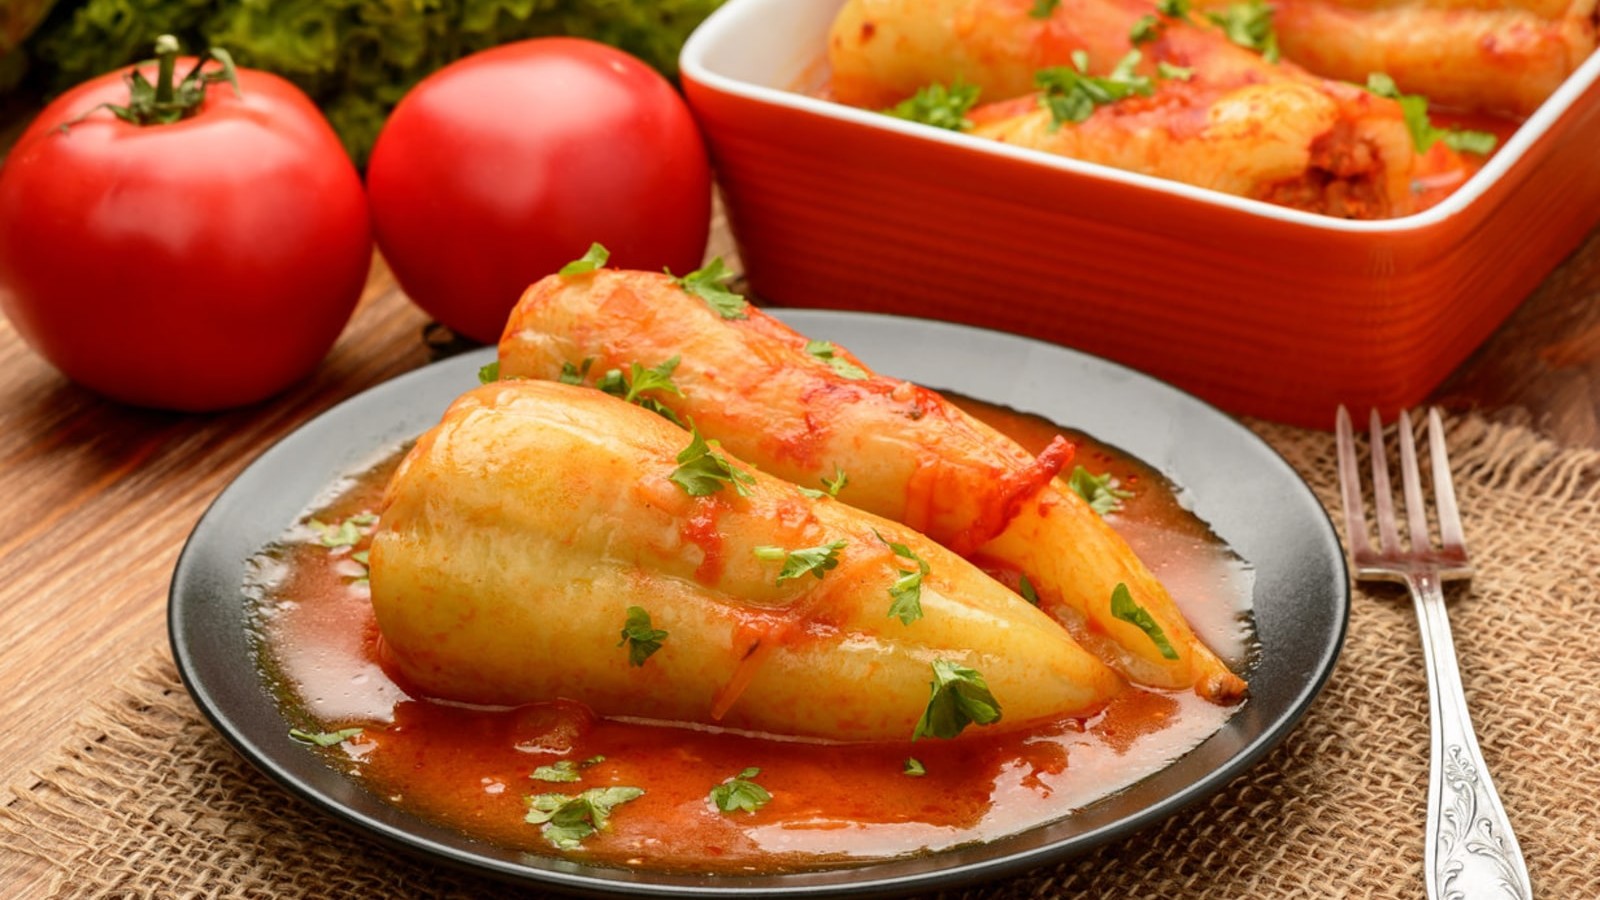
1472 853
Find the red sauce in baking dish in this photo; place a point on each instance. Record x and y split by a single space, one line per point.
832 804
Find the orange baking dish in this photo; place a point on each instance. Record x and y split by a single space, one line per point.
1263 310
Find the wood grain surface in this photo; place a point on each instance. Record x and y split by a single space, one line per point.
98 498
1541 368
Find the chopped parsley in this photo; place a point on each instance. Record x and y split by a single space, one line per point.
832 485
1042 9
638 380
1099 491
703 471
641 636
561 770
345 534
740 792
840 479
1025 588
1248 23
1173 73
813 560
958 697
905 594
656 378
1423 132
913 767
571 374
707 284
1465 141
595 258
1123 607
565 769
363 558
568 819
1072 95
324 738
938 106
1146 28
828 353
489 373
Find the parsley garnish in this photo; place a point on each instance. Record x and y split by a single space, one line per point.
1423 132
568 819
828 353
833 485
958 697
840 479
324 738
594 259
566 769
1146 28
939 106
489 373
1025 588
639 380
739 792
703 471
1043 8
913 767
1149 27
815 560
905 594
571 374
562 770
363 558
1099 491
1071 95
1123 607
641 636
1248 23
345 534
1173 73
1465 141
707 284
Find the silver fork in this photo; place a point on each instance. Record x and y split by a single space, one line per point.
1470 850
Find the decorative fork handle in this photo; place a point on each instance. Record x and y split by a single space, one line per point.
1471 852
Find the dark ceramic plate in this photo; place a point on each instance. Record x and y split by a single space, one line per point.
1248 494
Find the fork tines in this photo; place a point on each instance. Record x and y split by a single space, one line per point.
1451 550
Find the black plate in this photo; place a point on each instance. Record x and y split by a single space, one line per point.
1249 495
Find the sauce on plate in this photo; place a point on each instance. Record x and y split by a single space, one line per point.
831 804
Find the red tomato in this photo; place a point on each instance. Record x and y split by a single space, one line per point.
197 265
504 166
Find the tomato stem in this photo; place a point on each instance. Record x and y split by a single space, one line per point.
167 100
167 56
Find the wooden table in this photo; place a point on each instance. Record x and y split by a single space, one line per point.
99 498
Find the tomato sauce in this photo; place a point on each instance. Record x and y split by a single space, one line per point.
831 804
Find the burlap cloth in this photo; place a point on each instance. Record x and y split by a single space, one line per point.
145 800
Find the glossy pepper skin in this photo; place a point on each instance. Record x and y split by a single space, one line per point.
518 535
911 455
196 265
